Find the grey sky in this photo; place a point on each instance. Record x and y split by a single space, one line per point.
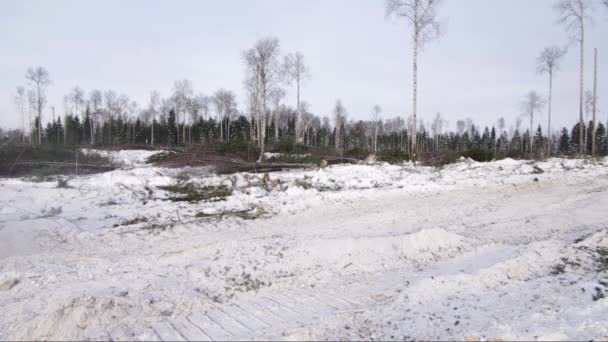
481 67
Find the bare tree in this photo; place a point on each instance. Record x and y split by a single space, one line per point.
588 112
263 66
182 92
297 72
20 99
574 14
110 99
203 102
593 143
39 79
339 120
153 108
31 99
225 105
376 111
76 97
531 104
96 100
437 127
422 16
276 96
253 102
548 63
501 127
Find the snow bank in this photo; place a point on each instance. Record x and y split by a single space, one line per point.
463 250
125 158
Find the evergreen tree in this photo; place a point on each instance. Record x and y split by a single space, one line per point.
172 129
564 142
539 141
600 139
574 137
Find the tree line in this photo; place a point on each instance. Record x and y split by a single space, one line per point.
102 118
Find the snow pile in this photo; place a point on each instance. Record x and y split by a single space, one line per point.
125 158
432 253
547 290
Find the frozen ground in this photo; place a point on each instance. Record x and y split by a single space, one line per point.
504 250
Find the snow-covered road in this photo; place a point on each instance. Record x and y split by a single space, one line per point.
504 250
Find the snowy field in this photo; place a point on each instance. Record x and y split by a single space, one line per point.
477 251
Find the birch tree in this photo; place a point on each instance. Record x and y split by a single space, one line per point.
532 104
182 92
548 63
20 100
339 120
574 15
31 99
263 66
39 80
110 101
376 111
593 134
253 100
422 17
298 73
225 104
276 96
76 97
437 128
588 112
153 108
95 99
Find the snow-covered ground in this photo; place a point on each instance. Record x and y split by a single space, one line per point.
478 251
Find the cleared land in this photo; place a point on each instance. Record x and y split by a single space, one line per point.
506 250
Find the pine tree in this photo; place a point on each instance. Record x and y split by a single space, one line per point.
600 139
172 128
574 137
539 143
564 142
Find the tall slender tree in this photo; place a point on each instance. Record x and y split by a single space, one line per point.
548 63
574 15
422 16
39 79
339 120
276 96
263 67
20 99
297 72
532 103
154 106
594 128
182 92
95 99
376 111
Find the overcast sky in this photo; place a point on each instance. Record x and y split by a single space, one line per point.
480 68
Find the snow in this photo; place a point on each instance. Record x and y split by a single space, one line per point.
125 158
502 250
